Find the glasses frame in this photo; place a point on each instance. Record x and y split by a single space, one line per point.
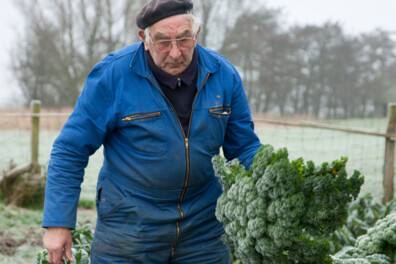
157 42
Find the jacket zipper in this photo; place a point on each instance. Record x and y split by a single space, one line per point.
140 116
186 146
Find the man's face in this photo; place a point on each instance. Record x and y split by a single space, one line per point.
177 58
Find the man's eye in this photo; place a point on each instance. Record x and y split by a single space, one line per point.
164 42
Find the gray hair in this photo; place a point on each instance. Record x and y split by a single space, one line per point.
195 25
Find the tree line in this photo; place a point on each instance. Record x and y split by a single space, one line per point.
317 70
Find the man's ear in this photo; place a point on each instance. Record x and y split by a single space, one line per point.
143 38
196 36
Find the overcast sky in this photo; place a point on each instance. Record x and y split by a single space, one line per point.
355 16
9 21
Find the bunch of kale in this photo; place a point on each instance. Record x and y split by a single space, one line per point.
281 211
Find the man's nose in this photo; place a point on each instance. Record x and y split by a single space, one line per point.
175 51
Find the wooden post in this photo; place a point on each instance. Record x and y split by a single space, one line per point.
35 106
389 163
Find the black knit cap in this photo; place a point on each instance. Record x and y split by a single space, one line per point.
155 10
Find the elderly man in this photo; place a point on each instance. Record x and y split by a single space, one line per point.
162 108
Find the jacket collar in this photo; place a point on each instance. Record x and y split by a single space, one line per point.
207 63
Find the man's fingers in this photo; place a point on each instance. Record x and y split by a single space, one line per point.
57 256
58 242
68 252
50 258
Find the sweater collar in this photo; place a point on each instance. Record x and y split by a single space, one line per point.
169 80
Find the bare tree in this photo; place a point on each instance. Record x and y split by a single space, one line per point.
218 18
31 60
205 8
62 41
317 70
377 62
249 46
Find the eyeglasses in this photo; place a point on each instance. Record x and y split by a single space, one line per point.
165 45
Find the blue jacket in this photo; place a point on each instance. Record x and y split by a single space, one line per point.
156 182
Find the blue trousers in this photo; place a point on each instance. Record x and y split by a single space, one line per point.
136 228
204 252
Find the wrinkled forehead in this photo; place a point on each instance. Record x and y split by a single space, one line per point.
172 27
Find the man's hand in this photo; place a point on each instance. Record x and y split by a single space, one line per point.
58 242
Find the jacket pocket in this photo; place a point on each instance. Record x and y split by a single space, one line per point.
145 132
112 203
215 123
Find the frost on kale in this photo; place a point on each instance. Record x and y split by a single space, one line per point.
281 211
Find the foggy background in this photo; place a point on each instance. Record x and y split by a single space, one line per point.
353 16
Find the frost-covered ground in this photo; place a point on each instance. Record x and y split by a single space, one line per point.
21 234
365 153
15 145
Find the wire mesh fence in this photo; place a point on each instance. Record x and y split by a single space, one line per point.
365 152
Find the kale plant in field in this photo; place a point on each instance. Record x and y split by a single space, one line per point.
81 250
378 246
363 212
282 211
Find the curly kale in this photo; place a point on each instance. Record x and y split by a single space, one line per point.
353 255
378 246
280 211
364 212
381 238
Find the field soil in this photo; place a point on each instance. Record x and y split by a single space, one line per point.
21 234
9 245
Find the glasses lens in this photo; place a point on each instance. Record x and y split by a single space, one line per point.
163 44
166 44
184 43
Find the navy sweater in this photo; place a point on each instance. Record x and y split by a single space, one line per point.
180 90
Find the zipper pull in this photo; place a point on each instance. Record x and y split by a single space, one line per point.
186 141
125 119
178 82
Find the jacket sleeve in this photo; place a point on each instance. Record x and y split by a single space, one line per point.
80 137
240 140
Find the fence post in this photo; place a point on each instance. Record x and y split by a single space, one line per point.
35 106
389 163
